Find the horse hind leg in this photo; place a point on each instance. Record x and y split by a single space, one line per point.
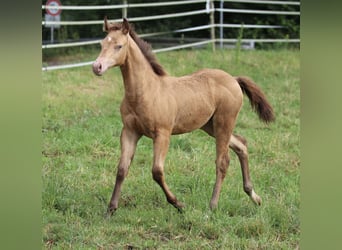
222 164
222 156
239 145
221 129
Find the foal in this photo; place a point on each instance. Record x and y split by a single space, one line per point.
157 105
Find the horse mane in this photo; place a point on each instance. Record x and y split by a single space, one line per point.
144 47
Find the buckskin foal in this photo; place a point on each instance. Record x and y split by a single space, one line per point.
158 105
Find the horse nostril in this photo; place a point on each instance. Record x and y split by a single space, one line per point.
97 67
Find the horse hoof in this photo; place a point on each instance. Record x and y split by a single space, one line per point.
180 210
180 206
110 212
255 198
212 206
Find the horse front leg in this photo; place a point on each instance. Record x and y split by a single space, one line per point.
128 140
160 147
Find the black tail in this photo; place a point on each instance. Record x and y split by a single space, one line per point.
257 99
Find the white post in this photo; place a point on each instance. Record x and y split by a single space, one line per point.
124 10
212 22
221 24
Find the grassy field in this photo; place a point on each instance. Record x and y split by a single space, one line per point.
81 128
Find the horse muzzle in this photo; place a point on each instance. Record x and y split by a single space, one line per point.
98 68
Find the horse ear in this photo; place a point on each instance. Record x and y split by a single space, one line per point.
125 26
105 25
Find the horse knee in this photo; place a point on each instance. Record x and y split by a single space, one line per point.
222 164
226 163
122 169
121 173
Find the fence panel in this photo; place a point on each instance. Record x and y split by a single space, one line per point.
208 10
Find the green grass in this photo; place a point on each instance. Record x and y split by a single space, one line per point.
81 128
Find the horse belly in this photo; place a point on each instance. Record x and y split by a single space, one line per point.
188 121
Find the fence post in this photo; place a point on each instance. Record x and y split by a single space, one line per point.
124 9
221 24
212 23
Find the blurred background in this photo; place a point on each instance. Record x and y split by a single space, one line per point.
71 27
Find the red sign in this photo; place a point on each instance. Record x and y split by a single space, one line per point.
53 11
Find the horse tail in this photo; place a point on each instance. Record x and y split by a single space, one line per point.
257 99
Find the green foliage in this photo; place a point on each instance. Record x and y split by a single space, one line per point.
81 128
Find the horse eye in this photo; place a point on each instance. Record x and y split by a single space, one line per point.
117 47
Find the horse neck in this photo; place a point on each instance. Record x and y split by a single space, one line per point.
137 74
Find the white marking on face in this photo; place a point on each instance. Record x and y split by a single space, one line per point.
109 39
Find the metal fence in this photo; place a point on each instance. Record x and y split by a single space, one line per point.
208 9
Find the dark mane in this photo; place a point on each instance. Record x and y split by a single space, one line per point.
146 49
